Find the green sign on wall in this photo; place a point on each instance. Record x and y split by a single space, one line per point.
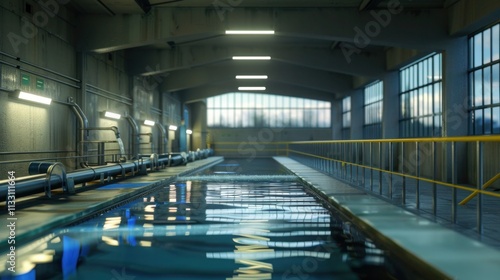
25 79
40 83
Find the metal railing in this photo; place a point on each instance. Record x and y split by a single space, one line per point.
444 176
249 149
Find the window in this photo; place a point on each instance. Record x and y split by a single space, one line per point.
346 117
420 98
373 110
265 110
484 93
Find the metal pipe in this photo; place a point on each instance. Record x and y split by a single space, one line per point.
83 134
40 75
110 97
135 135
36 184
30 185
39 67
164 138
121 97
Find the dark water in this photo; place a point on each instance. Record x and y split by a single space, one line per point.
211 230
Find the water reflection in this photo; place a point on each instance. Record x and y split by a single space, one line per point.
195 230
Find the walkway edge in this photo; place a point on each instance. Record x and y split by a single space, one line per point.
431 249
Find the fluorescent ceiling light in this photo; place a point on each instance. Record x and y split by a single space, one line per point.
251 77
112 115
34 98
148 122
172 127
251 88
250 32
251 58
189 131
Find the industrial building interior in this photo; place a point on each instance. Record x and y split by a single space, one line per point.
386 112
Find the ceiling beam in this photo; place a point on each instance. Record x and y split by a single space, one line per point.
393 26
276 72
152 62
368 5
201 93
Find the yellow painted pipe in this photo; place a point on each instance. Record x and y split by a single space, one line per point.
475 193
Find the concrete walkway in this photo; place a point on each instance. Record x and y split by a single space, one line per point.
36 215
423 244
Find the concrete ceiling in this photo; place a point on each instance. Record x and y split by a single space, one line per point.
319 47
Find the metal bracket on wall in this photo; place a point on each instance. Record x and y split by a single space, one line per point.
56 166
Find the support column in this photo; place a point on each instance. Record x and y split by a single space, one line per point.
199 125
336 119
357 114
390 115
455 103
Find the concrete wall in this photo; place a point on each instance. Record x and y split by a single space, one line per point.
41 47
252 142
30 51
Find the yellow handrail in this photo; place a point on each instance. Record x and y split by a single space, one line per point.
403 175
288 148
475 193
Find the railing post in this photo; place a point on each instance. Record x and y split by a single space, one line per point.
344 167
371 167
479 174
401 164
417 163
434 189
357 162
364 169
380 167
351 160
454 182
391 167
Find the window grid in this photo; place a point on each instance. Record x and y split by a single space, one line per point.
264 110
346 118
346 112
484 79
373 103
421 97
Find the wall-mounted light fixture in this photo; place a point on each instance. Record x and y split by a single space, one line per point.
34 98
251 88
149 123
112 115
172 127
250 32
251 58
251 77
189 131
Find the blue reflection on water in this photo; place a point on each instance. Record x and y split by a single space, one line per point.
197 230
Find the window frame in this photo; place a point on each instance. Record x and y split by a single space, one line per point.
420 114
